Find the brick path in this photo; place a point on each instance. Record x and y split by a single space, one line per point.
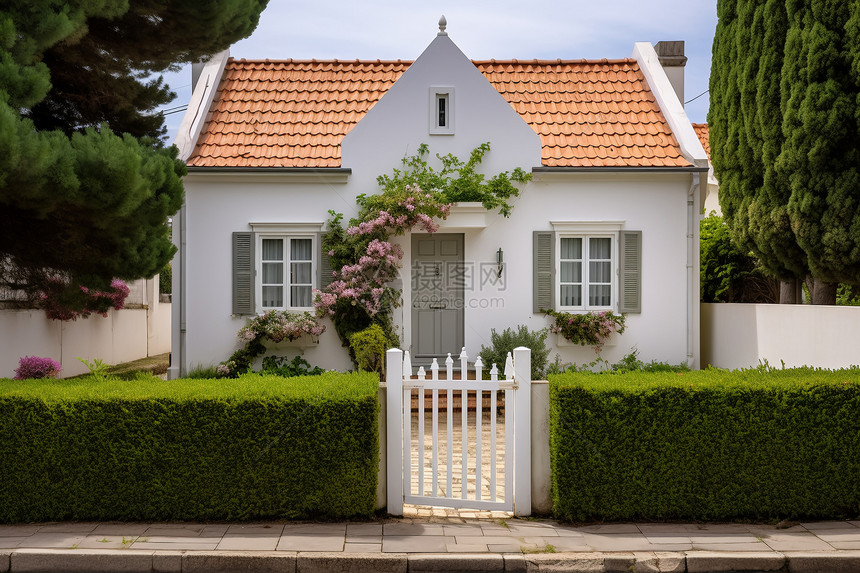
457 465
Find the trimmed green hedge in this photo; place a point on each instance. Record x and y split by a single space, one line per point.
149 449
706 445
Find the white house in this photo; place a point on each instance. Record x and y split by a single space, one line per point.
609 221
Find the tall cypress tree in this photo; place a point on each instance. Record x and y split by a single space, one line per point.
784 134
80 202
820 154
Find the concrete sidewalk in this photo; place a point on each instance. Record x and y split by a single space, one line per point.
430 544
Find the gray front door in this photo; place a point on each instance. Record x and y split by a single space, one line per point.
438 280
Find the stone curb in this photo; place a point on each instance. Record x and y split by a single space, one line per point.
846 561
735 562
466 562
131 561
339 562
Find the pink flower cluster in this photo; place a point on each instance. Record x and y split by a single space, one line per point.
98 302
394 224
384 219
591 328
362 283
277 325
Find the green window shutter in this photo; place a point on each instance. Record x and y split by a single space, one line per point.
325 276
243 273
630 272
544 271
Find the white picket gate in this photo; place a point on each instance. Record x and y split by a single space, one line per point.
426 470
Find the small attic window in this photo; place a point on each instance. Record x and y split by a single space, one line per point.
441 110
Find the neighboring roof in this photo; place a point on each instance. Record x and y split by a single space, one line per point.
295 113
703 133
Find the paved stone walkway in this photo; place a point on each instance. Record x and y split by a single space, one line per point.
430 544
435 535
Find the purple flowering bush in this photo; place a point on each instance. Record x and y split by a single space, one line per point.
31 367
587 329
62 303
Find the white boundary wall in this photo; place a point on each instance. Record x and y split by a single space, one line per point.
743 335
123 336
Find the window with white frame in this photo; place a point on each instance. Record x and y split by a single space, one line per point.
441 110
286 271
586 272
588 265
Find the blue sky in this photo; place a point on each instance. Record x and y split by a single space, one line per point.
500 29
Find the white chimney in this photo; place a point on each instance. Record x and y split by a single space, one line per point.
673 60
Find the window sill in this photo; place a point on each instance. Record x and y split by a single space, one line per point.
303 342
561 341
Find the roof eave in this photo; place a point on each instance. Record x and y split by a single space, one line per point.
621 169
237 169
291 174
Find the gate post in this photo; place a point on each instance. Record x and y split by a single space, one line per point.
522 432
394 423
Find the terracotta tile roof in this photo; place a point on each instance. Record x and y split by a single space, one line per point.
588 113
703 133
289 113
295 113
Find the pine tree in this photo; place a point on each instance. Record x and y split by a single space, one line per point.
101 77
86 185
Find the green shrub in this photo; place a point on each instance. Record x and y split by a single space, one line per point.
729 274
501 344
628 363
258 447
165 279
631 363
848 295
761 444
283 366
368 346
200 372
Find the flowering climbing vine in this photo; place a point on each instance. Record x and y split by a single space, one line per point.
364 259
